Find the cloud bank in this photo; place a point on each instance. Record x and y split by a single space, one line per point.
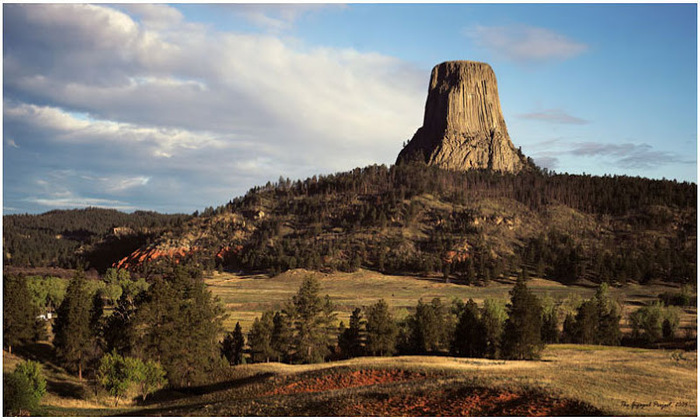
181 116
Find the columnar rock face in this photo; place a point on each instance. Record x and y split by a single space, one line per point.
463 127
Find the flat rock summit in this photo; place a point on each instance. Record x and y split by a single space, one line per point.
463 127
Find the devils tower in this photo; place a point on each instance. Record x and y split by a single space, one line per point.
463 127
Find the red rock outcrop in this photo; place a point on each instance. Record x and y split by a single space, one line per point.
142 255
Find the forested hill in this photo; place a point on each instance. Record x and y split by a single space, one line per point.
61 238
469 226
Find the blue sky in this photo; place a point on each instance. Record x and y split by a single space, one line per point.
175 108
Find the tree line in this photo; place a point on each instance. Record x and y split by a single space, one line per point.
304 331
169 333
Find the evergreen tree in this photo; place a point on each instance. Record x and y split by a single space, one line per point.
177 325
521 334
18 312
493 317
351 340
430 328
381 330
470 334
608 317
232 346
281 340
569 332
313 320
550 328
118 330
72 331
597 321
260 338
586 329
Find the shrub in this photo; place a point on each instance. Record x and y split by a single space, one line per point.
32 370
118 375
114 375
23 389
651 323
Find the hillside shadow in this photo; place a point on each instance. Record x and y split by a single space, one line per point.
162 411
174 394
64 389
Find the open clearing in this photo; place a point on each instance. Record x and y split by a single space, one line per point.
570 379
246 297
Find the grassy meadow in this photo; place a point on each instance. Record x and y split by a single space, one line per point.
246 297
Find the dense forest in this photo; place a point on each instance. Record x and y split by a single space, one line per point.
471 226
62 238
412 218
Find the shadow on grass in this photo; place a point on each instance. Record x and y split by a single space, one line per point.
174 394
162 411
65 389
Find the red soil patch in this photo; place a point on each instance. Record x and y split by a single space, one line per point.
343 380
467 402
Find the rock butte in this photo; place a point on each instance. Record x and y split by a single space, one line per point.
463 127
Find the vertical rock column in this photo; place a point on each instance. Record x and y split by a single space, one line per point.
463 127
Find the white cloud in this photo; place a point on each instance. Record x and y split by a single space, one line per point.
194 109
556 116
66 127
122 184
523 43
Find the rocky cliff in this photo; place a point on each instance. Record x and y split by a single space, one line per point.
463 127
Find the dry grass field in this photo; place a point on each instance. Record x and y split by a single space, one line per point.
247 297
568 380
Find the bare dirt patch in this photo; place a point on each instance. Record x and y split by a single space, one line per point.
469 402
345 380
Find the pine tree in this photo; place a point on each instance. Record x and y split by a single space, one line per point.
608 317
281 340
117 331
351 340
430 328
232 346
72 331
521 334
470 335
18 312
178 324
550 328
569 333
381 330
260 338
313 320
